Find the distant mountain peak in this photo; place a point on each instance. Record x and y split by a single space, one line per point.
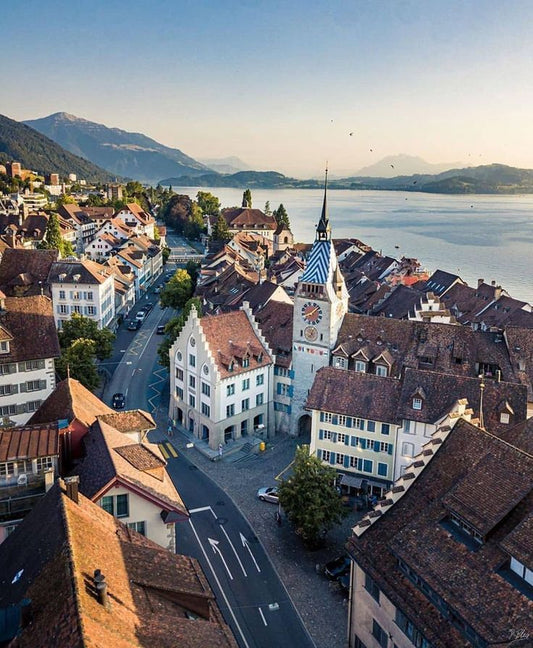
402 164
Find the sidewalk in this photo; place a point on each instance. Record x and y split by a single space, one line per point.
320 602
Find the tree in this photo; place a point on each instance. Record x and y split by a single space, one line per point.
208 203
192 269
281 216
80 327
52 239
195 223
310 499
96 200
65 199
178 290
267 209
78 361
220 230
247 198
173 329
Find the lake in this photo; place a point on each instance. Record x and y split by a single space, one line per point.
473 236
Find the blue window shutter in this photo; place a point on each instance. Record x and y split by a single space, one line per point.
363 444
332 458
290 391
319 454
321 416
349 421
291 374
346 461
353 441
278 388
346 439
289 409
334 437
389 448
335 419
321 434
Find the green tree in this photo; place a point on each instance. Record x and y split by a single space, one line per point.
173 329
178 290
96 200
166 254
52 239
220 230
195 223
209 204
80 327
310 499
267 209
65 199
281 216
192 269
78 361
247 198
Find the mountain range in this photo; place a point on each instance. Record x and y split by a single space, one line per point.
389 166
35 151
130 155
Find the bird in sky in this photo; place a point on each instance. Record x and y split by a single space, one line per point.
351 134
414 181
371 150
392 166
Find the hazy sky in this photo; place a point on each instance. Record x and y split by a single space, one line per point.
281 84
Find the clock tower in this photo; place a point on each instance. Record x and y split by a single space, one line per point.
320 303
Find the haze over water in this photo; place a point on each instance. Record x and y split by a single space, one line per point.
477 236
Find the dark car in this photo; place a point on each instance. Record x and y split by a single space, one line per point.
334 569
148 307
134 325
160 329
119 401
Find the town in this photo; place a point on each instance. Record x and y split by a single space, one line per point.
193 404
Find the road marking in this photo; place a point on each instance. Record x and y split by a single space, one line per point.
171 449
262 616
246 644
234 550
246 544
199 510
163 450
214 544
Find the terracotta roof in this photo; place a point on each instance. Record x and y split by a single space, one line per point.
230 338
112 456
275 322
334 390
70 400
248 218
34 263
79 272
29 442
30 320
416 530
156 598
519 543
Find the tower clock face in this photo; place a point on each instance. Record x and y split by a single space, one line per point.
311 334
311 312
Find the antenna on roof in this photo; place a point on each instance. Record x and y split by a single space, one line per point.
481 389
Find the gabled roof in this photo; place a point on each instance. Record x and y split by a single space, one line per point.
29 442
156 598
441 281
30 321
275 322
128 420
79 272
70 400
248 218
110 459
35 264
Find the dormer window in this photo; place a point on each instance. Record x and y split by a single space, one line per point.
360 366
521 571
381 370
505 417
4 346
417 403
230 366
246 362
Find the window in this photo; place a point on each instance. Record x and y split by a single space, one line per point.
246 362
140 527
259 399
467 528
6 390
206 389
504 417
230 410
408 449
339 459
123 509
43 463
326 455
417 403
192 400
360 366
192 360
371 587
34 385
179 374
521 570
192 381
245 404
410 630
107 504
341 438
90 296
371 426
260 379
407 427
326 417
359 424
61 294
379 634
179 393
339 363
8 410
245 384
62 309
230 389
385 428
368 465
206 410
91 310
382 469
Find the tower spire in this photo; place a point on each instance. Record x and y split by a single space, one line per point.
323 229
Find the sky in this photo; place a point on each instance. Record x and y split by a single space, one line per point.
281 84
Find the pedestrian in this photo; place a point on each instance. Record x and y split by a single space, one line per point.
169 430
220 449
278 518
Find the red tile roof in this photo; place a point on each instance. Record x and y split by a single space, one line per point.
29 442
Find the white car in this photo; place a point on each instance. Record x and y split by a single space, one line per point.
140 316
268 494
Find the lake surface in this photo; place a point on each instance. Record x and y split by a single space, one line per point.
473 236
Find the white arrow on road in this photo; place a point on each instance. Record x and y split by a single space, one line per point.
246 544
214 545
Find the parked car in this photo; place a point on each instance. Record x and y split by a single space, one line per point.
140 315
119 401
148 307
160 329
268 494
336 568
344 581
134 325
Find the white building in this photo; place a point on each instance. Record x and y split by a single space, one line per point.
135 217
83 287
221 378
28 348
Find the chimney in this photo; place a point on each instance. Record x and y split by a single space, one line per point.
497 292
498 375
479 282
72 487
101 588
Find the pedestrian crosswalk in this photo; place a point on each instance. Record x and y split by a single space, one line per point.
167 450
